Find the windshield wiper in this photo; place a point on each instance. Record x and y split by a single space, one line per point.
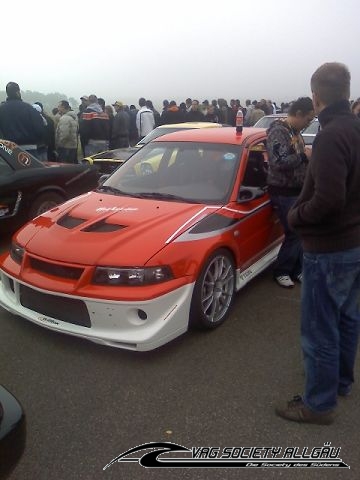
115 191
164 196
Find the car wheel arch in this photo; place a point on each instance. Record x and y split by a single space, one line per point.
54 196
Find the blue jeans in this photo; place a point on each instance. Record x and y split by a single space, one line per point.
330 320
289 259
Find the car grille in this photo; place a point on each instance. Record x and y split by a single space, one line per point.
74 273
66 309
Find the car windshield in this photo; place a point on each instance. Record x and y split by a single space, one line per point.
190 172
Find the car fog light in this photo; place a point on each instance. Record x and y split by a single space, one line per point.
142 314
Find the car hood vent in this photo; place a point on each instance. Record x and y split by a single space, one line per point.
103 227
68 221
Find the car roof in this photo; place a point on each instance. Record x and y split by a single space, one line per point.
191 125
214 135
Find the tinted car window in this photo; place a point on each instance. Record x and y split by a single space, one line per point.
5 168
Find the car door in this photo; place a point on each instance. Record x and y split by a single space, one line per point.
259 231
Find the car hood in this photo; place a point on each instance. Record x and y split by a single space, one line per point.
104 229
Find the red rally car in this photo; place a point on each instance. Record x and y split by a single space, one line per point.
162 245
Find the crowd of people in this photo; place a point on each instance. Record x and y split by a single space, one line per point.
98 126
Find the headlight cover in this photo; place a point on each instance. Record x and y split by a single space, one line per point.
136 276
17 252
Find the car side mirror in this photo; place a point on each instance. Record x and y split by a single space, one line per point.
247 194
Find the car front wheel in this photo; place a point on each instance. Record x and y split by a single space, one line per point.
214 291
44 202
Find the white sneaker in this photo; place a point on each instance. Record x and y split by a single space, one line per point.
299 278
285 281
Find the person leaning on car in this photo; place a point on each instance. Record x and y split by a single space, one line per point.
288 160
20 122
66 133
327 218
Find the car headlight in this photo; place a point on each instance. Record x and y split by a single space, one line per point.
131 276
17 252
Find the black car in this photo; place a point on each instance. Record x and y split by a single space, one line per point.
29 187
12 432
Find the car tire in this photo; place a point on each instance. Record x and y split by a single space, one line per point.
43 202
214 291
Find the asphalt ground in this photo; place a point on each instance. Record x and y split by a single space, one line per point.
86 404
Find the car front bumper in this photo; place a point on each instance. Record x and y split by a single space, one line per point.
129 325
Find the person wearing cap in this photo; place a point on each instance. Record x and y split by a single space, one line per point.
20 122
120 127
83 105
94 128
66 133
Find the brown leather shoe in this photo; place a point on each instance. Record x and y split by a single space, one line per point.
296 411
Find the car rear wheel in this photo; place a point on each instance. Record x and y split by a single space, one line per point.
45 201
214 291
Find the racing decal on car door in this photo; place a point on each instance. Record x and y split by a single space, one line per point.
24 159
195 218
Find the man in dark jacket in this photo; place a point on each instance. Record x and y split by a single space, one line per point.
19 121
327 218
195 115
120 128
94 127
172 114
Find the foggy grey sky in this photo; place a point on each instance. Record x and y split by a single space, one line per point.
177 49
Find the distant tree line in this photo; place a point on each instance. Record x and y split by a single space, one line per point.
49 101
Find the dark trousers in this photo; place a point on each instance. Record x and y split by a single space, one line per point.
67 155
289 260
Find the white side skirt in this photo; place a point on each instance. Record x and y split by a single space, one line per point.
243 277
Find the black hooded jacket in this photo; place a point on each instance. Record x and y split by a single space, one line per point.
21 123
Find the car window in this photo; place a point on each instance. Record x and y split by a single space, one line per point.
313 128
189 171
5 168
157 132
266 121
256 167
